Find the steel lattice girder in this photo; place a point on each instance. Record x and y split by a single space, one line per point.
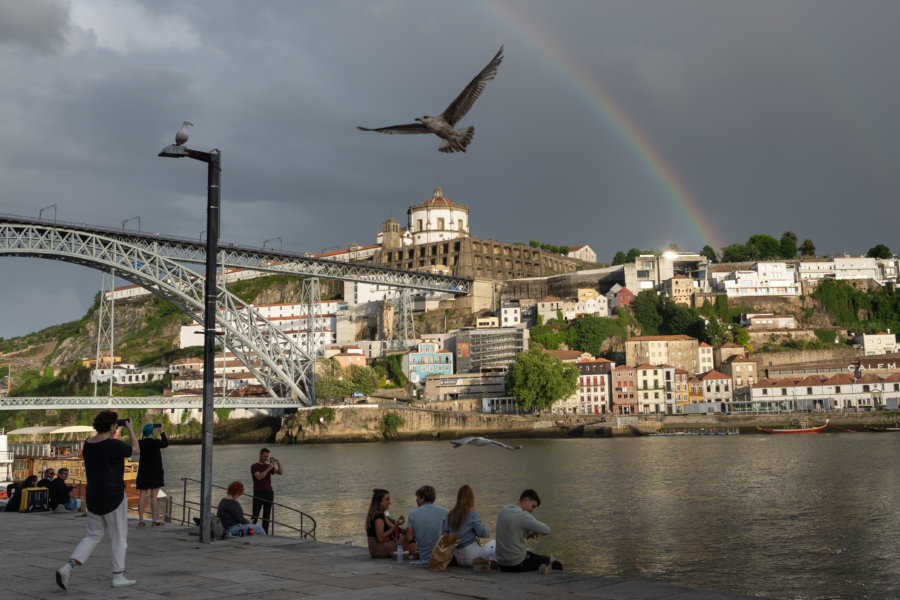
261 260
183 402
279 363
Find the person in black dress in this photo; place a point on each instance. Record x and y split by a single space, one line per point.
150 473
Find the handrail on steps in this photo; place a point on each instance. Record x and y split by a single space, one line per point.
306 529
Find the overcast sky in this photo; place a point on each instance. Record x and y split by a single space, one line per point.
619 124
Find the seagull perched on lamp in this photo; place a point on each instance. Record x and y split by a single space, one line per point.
182 136
480 441
455 140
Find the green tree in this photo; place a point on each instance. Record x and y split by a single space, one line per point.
564 250
735 253
590 333
646 312
879 251
362 379
538 380
620 258
741 337
709 253
632 254
790 235
807 248
534 243
715 333
788 246
763 247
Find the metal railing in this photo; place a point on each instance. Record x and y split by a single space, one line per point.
306 528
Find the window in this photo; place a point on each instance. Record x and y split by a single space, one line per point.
784 391
809 390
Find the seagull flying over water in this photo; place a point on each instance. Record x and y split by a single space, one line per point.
182 136
480 441
455 140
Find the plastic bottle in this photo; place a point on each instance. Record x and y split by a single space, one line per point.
250 531
399 552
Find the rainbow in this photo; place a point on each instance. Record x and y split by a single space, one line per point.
576 76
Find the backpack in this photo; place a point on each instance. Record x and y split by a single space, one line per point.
216 529
34 499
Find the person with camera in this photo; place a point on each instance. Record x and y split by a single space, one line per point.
263 494
107 505
150 472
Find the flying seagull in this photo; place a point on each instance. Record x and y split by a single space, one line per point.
480 441
455 140
182 136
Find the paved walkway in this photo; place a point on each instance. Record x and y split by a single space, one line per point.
169 562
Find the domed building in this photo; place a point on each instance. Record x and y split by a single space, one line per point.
437 240
437 219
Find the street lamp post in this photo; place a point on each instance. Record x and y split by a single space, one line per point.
213 160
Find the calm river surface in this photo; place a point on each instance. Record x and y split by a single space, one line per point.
795 516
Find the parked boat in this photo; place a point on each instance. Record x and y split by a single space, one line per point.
33 450
883 428
803 427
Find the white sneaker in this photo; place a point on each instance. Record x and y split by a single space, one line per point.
62 576
119 580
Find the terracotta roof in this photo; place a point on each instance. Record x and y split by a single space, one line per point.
839 379
705 345
869 378
810 380
730 345
549 299
661 338
564 355
713 375
739 358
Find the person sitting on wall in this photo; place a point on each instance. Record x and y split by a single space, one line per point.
15 500
47 479
232 514
61 494
382 532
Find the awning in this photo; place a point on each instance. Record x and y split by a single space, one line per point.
49 430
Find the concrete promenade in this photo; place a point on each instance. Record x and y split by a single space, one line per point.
169 562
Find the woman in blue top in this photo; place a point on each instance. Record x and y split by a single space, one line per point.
465 522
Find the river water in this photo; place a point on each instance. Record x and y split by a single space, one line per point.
791 516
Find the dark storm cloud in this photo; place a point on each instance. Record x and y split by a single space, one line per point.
36 24
772 116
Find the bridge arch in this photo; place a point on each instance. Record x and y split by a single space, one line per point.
281 366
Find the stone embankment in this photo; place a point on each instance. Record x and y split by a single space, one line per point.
377 423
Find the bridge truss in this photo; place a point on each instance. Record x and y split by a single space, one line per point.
154 263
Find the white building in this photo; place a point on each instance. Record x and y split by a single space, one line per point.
437 219
583 252
768 321
883 342
764 279
510 313
128 374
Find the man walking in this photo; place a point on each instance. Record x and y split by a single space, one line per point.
423 525
515 522
263 494
107 506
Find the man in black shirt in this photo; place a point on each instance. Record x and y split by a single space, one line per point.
107 506
48 478
60 492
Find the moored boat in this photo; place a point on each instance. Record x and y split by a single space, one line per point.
883 428
803 427
33 450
